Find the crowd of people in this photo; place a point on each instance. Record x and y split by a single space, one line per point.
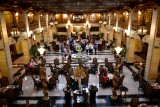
69 46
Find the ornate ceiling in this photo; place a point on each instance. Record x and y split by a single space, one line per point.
73 6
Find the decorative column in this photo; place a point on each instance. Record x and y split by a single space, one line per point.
54 27
39 23
46 34
105 33
130 45
119 38
26 43
5 55
39 27
111 34
87 25
130 22
117 20
109 19
26 52
130 50
111 31
68 26
153 54
27 30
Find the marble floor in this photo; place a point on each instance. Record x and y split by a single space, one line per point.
102 94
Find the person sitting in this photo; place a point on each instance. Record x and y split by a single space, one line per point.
32 63
105 77
104 71
32 66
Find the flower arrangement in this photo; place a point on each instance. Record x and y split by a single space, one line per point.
78 48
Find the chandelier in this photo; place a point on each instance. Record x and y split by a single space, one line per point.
142 28
103 22
100 21
15 33
53 22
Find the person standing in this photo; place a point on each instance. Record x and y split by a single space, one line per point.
95 48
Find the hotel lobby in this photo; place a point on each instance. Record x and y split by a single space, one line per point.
80 53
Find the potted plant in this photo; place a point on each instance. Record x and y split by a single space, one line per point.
55 36
34 51
101 35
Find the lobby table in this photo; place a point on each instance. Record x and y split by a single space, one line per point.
3 90
81 96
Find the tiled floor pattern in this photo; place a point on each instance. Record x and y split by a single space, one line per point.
103 94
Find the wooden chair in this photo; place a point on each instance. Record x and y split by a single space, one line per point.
85 80
101 80
19 83
56 61
56 48
3 102
53 44
4 81
142 83
70 71
51 67
110 66
120 82
148 91
27 103
37 85
106 61
100 47
94 60
68 80
134 102
52 83
9 94
86 70
101 69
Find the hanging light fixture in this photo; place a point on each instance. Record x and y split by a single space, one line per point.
100 21
51 23
15 33
142 28
55 21
104 22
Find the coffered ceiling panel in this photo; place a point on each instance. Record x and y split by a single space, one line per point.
73 6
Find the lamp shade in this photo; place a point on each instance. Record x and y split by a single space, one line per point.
41 50
118 49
